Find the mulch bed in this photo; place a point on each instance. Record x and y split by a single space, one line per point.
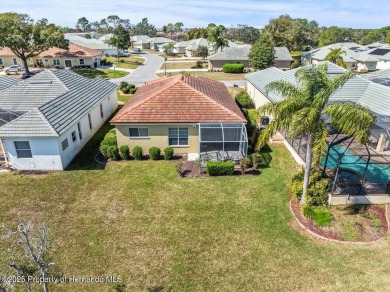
336 230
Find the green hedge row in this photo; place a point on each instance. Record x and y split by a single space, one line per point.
215 168
233 68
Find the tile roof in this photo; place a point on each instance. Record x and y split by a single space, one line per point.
181 99
50 102
6 52
282 54
88 43
6 82
73 51
196 43
233 53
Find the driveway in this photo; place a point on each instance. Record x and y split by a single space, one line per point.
239 83
144 73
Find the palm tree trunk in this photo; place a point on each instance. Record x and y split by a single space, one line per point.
309 159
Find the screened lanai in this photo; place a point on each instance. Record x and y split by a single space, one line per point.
222 142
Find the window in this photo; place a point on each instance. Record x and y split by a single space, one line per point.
39 62
23 149
56 62
81 61
101 111
79 129
178 136
90 121
65 144
139 132
14 61
1 62
74 137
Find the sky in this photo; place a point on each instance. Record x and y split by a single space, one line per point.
345 13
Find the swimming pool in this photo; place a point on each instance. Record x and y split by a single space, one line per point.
376 173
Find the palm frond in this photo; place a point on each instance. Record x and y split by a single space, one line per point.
267 133
283 88
351 119
319 142
304 121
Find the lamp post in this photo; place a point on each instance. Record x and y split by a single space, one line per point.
165 66
114 69
311 52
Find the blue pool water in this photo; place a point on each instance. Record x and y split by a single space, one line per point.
376 173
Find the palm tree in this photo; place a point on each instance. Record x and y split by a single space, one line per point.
203 52
335 56
217 34
302 107
169 48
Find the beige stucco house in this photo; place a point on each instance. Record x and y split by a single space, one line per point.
194 115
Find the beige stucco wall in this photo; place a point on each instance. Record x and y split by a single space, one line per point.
158 137
282 64
8 61
217 64
257 96
48 62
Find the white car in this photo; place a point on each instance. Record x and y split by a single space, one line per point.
14 69
124 53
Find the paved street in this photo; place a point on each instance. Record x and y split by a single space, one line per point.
144 73
240 83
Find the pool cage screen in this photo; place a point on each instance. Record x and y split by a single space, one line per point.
223 141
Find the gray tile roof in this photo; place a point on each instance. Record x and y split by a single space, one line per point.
282 54
382 73
6 82
51 101
161 40
88 43
233 53
195 44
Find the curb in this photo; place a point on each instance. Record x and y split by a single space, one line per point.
341 241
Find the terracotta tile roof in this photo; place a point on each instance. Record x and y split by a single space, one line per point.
5 52
181 99
73 51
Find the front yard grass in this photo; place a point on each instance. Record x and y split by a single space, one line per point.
141 221
103 73
180 65
219 76
131 62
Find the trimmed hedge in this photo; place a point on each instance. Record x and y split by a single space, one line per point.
154 153
113 152
214 168
244 100
109 141
137 153
124 152
168 153
233 68
123 85
103 150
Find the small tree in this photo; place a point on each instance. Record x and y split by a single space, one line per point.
120 39
261 55
168 49
335 56
27 39
203 51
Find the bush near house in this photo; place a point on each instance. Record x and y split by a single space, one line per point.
113 153
168 153
244 100
123 85
109 140
129 89
215 168
233 68
103 150
154 153
137 153
124 152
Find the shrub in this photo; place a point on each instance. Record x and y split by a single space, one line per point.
214 168
168 153
113 153
137 153
124 152
121 60
257 160
320 215
199 64
132 90
244 100
233 68
296 186
154 153
131 86
245 163
109 141
103 150
308 212
123 84
294 64
126 90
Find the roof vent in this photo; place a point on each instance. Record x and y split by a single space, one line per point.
40 82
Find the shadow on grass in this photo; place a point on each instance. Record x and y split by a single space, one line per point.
85 160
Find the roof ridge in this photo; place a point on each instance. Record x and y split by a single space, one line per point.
45 120
210 98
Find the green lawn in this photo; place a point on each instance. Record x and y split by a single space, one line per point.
123 97
215 75
141 221
180 65
104 73
128 62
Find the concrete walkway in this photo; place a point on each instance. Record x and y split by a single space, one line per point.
231 83
144 73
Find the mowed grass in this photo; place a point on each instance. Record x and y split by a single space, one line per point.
219 76
131 62
180 65
141 221
99 72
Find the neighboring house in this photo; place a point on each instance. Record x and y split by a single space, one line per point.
374 95
192 48
180 48
93 34
95 44
140 42
194 115
106 38
47 119
155 42
8 58
240 54
360 58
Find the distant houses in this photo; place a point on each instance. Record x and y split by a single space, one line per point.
94 44
47 119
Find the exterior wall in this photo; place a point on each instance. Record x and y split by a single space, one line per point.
383 65
45 153
109 106
109 52
258 97
8 61
282 64
217 64
158 137
180 50
48 62
190 53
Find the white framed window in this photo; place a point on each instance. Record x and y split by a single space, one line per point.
90 121
178 136
1 62
74 136
39 61
23 149
101 111
138 132
64 144
14 61
79 129
81 61
56 62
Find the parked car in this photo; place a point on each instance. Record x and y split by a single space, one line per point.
124 53
138 50
14 69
